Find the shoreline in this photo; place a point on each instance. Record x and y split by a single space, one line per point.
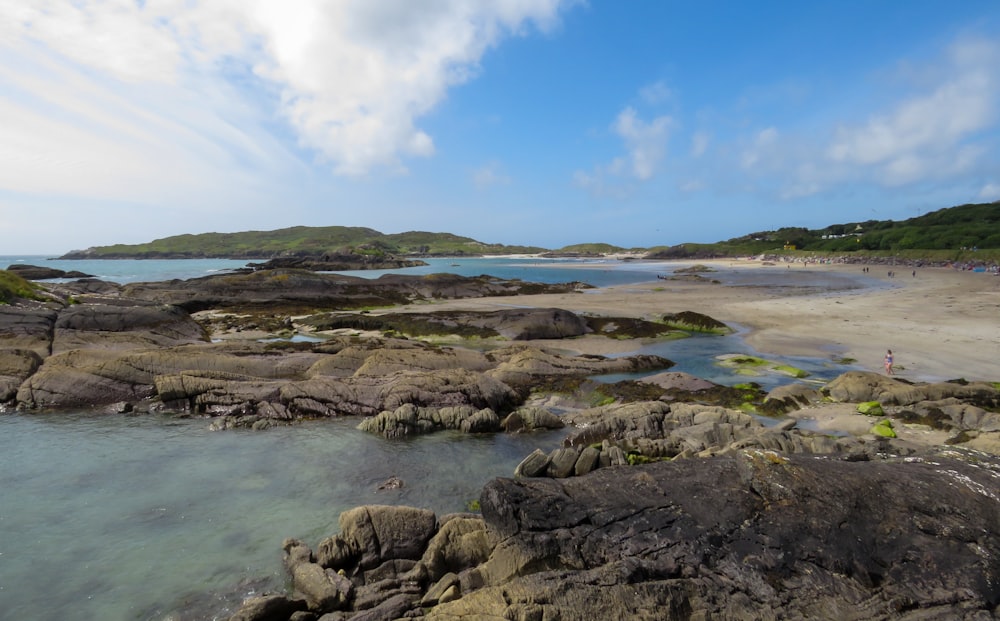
941 323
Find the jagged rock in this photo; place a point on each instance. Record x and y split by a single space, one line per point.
408 420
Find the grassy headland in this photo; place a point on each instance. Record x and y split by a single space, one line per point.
955 234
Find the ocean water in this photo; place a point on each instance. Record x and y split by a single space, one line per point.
106 517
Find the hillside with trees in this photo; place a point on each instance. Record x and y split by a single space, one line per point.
950 232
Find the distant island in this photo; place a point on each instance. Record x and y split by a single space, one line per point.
946 234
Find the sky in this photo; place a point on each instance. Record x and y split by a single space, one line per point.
638 123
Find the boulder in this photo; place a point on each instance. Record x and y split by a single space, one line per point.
373 534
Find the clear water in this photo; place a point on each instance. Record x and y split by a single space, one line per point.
155 517
111 517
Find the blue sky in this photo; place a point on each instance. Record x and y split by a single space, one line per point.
543 122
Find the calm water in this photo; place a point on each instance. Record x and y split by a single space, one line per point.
108 517
113 517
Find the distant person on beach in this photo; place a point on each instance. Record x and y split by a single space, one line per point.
888 362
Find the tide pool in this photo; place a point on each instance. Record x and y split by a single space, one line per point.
155 517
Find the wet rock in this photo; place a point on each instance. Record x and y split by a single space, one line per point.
269 608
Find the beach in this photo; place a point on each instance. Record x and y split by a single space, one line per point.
940 323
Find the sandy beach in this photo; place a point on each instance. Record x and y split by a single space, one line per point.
941 323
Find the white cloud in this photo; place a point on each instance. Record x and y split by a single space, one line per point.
351 77
646 142
926 131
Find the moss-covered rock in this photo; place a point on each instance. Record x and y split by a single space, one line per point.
871 408
883 428
695 322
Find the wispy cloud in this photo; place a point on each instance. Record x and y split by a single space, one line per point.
645 144
490 174
936 129
924 134
350 78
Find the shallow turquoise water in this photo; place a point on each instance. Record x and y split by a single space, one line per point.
112 517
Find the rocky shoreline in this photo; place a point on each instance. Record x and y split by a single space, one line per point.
670 497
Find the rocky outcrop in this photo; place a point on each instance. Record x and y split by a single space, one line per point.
296 290
337 262
124 326
859 386
642 432
36 272
27 328
512 324
727 537
522 365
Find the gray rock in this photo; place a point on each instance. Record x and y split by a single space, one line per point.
268 608
374 534
562 461
533 465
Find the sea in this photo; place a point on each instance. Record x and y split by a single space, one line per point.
154 517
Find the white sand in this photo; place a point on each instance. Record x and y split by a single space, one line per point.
941 324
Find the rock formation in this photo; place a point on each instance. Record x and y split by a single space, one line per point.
756 534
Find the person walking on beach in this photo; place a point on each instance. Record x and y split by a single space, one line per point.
888 362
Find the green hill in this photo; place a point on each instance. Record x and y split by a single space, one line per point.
948 234
299 241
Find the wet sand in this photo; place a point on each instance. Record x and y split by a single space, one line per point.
941 324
